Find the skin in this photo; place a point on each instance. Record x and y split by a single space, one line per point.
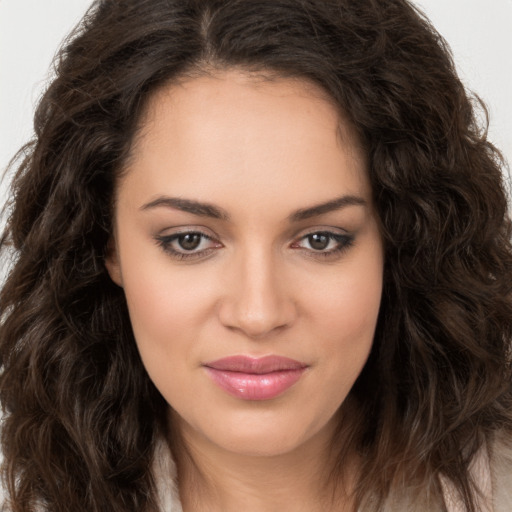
259 151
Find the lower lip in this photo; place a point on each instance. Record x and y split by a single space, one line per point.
252 386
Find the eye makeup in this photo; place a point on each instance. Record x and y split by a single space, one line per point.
195 244
188 245
325 244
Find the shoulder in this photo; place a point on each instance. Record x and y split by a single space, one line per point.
491 470
500 456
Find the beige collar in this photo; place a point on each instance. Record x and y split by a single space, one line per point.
165 475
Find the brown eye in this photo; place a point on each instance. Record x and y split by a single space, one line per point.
325 244
319 241
189 241
188 244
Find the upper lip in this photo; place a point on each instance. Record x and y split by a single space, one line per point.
247 364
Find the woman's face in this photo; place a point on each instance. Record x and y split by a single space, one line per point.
249 252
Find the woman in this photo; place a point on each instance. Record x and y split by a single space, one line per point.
270 239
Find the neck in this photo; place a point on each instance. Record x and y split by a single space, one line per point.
213 479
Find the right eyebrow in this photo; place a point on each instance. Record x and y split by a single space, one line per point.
189 206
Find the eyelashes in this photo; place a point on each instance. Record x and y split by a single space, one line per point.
324 243
190 245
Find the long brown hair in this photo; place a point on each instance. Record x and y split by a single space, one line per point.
81 417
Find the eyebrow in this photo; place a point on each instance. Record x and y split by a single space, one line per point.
189 206
329 206
209 210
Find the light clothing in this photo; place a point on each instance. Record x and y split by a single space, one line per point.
494 481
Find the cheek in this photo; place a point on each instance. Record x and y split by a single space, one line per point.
349 302
165 306
167 312
165 301
346 316
354 307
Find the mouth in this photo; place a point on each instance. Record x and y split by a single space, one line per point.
251 378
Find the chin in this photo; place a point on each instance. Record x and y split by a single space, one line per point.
264 434
264 443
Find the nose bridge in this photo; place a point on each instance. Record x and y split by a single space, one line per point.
258 299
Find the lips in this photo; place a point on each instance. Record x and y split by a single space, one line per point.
255 378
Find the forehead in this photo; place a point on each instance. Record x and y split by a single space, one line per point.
228 131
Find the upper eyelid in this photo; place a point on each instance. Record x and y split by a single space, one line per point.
173 236
166 233
332 235
324 229
331 230
182 230
166 241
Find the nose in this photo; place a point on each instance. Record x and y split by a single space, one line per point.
258 299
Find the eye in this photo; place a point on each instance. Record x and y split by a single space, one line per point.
189 241
187 244
324 243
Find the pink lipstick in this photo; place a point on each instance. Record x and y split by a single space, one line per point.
251 378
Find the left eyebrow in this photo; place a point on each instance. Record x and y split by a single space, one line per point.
329 206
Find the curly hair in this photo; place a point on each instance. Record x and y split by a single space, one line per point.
81 416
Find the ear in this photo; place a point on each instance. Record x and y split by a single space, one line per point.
112 263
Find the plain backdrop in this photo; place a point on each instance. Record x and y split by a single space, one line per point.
478 31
